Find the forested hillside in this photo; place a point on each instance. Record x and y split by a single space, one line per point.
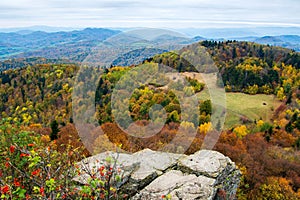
37 94
25 62
242 65
73 45
37 97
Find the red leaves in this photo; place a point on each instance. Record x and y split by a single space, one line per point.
101 170
109 173
102 174
5 189
102 196
12 149
36 172
42 191
23 155
17 183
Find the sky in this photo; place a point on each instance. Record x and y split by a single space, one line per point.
150 13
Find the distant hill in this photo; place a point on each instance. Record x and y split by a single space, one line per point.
136 56
288 41
227 33
24 62
133 47
67 45
269 40
76 45
167 42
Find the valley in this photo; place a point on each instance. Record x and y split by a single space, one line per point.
254 87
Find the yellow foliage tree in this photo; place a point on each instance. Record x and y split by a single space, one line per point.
187 125
205 128
45 139
252 89
241 131
277 188
280 94
260 123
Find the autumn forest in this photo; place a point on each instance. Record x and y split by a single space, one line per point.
36 100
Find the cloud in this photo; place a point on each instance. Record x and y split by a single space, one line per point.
79 4
148 13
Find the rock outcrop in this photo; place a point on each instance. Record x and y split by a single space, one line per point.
151 175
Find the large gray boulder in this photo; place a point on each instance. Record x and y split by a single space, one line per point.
178 185
152 175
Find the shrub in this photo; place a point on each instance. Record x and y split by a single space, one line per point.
31 168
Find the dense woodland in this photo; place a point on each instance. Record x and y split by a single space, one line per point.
38 98
24 62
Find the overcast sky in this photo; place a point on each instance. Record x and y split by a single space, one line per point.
150 13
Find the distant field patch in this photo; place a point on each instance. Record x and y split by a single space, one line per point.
253 107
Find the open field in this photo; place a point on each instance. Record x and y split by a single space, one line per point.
252 107
238 105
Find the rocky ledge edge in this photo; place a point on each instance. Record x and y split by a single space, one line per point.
151 174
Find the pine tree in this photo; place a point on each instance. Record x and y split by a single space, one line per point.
54 130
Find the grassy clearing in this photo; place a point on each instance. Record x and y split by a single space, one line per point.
238 105
252 107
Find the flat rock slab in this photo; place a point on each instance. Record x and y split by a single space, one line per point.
138 166
179 186
205 162
151 162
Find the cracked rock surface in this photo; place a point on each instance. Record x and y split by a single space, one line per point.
179 186
152 174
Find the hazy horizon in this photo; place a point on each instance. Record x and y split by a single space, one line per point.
156 14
